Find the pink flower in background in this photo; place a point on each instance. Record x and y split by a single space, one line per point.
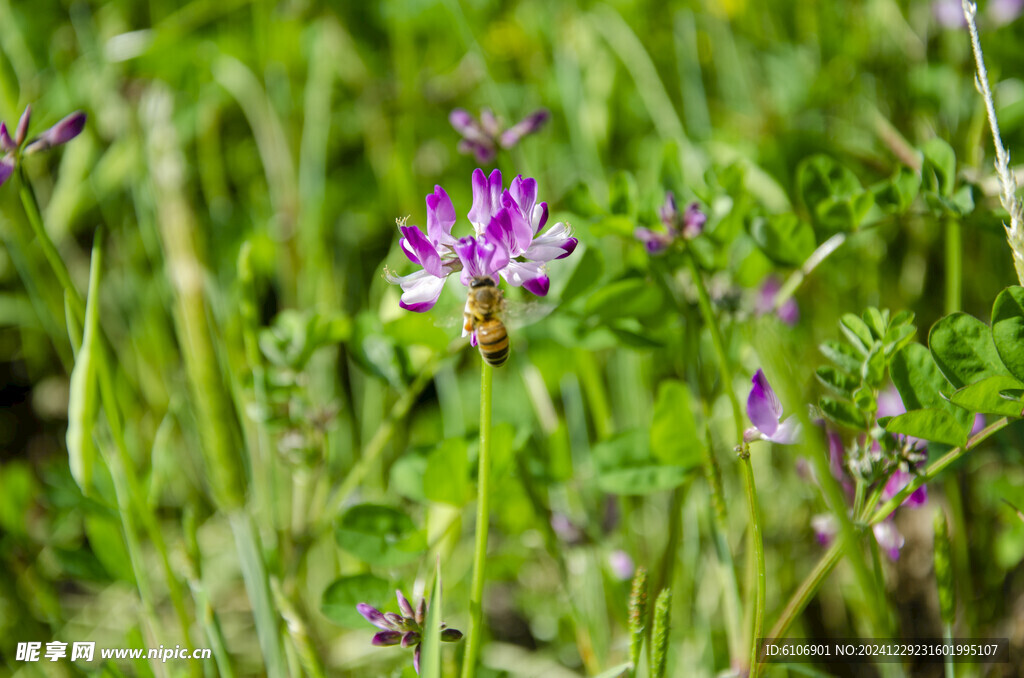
483 136
788 312
14 147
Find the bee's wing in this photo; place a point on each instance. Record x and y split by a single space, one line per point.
520 314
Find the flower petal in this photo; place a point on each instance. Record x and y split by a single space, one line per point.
6 142
22 130
440 218
416 659
527 125
374 616
524 192
693 221
788 432
669 212
522 230
889 538
654 243
6 168
484 152
557 243
403 605
466 125
486 198
387 638
61 133
528 274
480 257
420 250
410 639
763 406
420 290
539 217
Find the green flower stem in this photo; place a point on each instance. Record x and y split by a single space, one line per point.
954 265
128 489
832 556
476 600
725 373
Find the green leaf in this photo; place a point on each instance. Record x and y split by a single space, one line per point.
832 193
857 331
897 193
897 337
107 543
785 238
430 659
929 424
83 399
380 535
917 378
339 600
843 413
875 321
674 438
873 370
843 355
983 396
963 349
641 480
579 200
446 477
586 274
1008 329
938 170
630 297
840 382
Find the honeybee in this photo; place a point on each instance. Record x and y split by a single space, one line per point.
484 308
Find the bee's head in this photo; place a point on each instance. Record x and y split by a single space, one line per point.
481 281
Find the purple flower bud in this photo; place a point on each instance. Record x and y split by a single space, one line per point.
654 243
410 639
395 621
693 221
22 130
387 638
765 412
404 606
421 611
451 635
374 616
61 133
492 128
6 142
416 659
6 168
525 127
669 212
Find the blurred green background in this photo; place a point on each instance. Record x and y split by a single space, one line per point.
294 134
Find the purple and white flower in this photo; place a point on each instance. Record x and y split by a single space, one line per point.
687 224
765 412
484 136
14 147
405 629
509 241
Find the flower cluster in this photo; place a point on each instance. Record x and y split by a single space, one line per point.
15 147
405 629
509 241
484 136
866 460
687 224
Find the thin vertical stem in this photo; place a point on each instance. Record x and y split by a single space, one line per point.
476 600
954 265
725 372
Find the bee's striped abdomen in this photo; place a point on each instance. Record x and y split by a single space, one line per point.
492 340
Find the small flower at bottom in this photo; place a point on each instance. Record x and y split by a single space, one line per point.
765 412
405 629
64 131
